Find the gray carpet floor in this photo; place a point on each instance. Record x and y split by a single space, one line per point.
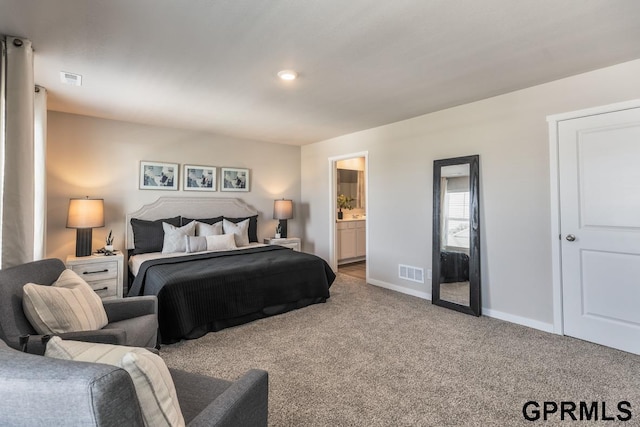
374 357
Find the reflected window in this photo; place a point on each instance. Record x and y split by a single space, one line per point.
456 219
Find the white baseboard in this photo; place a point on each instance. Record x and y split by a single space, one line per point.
518 320
401 289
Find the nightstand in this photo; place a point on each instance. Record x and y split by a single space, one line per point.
103 273
290 242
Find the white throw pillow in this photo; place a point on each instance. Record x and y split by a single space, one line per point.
203 229
151 378
68 305
240 230
174 240
221 243
195 243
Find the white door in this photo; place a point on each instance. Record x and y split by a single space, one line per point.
599 171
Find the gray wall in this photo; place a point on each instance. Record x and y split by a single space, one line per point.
510 134
100 158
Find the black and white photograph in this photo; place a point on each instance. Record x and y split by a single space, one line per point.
199 178
234 179
158 176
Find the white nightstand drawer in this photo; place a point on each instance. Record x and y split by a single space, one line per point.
105 288
100 271
291 242
97 270
294 246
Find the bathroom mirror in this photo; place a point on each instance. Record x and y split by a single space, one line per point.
351 184
456 234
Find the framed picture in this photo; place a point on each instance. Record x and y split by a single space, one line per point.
234 179
158 176
199 178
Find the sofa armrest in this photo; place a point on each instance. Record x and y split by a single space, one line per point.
107 336
127 308
37 390
244 403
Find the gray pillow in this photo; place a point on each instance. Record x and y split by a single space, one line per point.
148 236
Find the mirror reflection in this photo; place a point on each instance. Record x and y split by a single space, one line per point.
456 252
454 245
351 184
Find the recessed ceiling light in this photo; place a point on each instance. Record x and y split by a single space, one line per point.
287 75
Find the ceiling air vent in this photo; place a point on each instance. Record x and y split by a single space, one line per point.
70 78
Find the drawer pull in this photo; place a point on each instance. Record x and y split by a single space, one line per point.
101 289
96 272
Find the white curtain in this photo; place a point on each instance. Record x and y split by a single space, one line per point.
18 191
40 173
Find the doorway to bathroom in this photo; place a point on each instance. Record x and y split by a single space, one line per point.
349 214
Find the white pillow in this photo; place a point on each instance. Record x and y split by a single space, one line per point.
240 230
203 229
195 243
151 378
174 240
68 305
221 243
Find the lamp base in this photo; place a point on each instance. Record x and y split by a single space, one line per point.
283 228
83 241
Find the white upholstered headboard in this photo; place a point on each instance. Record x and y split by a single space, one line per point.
191 207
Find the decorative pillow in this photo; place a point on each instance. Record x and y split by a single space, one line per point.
148 236
68 305
174 240
186 221
195 243
204 229
151 378
222 242
240 230
253 226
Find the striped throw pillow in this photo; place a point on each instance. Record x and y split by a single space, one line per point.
151 378
69 305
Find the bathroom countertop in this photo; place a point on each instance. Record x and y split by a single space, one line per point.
351 219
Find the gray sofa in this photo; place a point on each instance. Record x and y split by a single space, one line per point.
132 321
41 391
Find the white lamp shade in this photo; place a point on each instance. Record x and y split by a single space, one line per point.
85 213
282 209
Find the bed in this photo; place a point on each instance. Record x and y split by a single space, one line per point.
204 291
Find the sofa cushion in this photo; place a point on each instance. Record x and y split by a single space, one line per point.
68 305
151 378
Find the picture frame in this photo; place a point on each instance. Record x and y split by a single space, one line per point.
158 176
199 178
234 179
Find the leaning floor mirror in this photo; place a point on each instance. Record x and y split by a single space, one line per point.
456 234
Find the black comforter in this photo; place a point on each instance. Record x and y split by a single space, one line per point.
208 292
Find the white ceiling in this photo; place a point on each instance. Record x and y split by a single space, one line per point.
210 65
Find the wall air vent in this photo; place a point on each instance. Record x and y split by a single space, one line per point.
414 274
70 78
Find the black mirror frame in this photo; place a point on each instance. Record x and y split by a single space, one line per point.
474 307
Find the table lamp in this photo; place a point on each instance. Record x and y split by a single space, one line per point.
85 215
283 210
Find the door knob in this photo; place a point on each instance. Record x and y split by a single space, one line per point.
571 237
